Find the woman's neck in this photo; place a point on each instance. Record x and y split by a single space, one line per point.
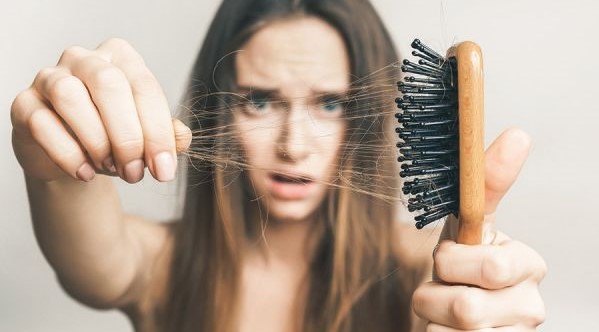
285 243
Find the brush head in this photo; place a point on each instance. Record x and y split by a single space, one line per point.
429 133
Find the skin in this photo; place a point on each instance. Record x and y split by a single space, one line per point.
493 286
299 133
108 100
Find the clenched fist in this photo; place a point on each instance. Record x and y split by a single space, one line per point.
96 111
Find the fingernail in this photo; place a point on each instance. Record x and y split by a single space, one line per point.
134 171
108 165
164 166
86 172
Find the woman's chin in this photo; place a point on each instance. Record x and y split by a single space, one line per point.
289 211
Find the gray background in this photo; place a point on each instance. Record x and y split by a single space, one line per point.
540 71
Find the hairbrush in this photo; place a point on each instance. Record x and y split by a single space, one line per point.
442 141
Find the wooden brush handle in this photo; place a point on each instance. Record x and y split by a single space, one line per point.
471 137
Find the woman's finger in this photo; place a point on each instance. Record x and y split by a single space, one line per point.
152 108
183 135
72 55
70 99
503 161
50 133
470 308
488 266
112 95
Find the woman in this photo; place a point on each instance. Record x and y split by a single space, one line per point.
287 223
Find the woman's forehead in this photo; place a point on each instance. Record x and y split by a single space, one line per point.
297 54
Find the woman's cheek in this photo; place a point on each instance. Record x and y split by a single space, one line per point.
334 143
257 139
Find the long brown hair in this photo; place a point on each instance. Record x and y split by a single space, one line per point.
355 282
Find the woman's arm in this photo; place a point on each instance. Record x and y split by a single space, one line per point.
97 111
81 229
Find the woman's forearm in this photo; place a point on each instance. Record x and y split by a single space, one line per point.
81 230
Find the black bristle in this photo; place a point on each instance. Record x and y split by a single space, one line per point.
418 45
428 130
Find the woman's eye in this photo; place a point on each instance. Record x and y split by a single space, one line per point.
331 106
259 104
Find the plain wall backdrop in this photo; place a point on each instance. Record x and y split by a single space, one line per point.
540 75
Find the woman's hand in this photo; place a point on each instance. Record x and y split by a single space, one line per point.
493 286
100 111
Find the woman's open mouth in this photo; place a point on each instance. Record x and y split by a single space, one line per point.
289 186
290 179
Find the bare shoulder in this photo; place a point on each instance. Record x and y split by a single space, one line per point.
155 241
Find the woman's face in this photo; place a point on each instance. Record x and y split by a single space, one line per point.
295 75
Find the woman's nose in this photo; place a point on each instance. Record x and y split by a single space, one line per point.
296 137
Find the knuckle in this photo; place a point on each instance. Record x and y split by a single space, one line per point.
68 158
442 262
17 106
496 269
98 147
130 146
145 84
71 54
121 47
43 75
109 77
418 301
158 133
37 122
542 269
465 309
441 267
539 317
66 154
118 46
64 88
115 43
536 313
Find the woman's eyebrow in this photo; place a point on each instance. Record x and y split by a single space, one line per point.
331 96
318 95
253 92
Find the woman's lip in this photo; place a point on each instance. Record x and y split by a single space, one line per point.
291 177
298 187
